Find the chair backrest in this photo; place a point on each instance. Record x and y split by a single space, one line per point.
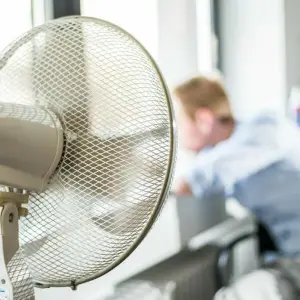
205 214
266 242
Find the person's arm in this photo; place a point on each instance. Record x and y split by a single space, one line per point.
182 188
220 168
200 179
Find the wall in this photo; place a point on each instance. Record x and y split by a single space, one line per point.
177 54
253 54
292 42
13 22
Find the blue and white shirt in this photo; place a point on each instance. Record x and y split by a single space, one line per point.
259 165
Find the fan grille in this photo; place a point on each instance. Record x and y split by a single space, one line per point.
119 145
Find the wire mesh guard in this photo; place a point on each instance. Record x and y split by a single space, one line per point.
119 145
20 278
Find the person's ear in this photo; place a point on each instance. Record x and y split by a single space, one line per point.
204 120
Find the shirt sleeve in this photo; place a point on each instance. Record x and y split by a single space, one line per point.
250 149
203 178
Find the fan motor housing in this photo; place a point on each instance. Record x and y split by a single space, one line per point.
31 146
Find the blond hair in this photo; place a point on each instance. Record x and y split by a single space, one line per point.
202 92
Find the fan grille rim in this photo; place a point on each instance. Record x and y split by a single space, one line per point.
170 164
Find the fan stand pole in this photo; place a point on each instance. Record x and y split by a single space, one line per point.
11 279
9 244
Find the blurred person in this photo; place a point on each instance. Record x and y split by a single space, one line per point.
256 161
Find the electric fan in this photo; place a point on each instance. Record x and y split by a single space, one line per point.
87 152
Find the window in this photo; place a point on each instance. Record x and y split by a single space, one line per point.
206 40
138 17
15 19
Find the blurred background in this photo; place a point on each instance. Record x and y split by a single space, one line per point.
252 45
191 36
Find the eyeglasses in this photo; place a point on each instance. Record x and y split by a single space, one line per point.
225 120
